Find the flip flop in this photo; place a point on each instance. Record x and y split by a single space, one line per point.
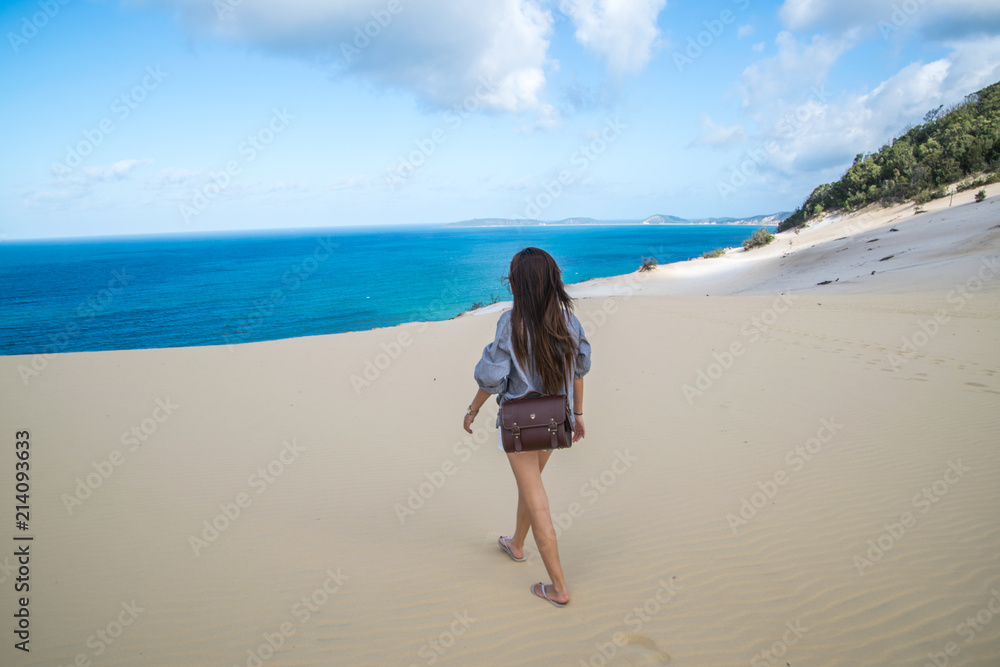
544 596
502 541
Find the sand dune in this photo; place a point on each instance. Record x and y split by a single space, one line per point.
782 473
907 252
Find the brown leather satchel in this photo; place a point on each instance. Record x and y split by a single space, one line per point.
535 422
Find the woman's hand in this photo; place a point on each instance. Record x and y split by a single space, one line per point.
579 431
470 414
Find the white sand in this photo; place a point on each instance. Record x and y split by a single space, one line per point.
681 437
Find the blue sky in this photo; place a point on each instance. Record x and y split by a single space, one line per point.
163 116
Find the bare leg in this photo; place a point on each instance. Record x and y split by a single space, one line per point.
527 467
516 542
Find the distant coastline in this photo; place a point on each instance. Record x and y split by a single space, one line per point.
657 219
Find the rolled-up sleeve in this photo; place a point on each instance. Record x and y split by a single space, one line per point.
582 366
495 365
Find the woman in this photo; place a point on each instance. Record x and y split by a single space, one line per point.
539 345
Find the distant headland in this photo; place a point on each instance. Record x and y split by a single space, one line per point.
658 219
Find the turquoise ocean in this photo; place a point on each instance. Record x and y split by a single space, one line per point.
170 291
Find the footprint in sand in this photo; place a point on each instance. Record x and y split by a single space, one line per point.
982 387
661 656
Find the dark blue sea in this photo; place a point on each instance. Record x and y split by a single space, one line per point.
169 291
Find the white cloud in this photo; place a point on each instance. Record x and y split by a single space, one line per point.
439 50
52 198
353 183
790 73
171 176
88 176
813 14
744 30
118 170
548 119
716 136
80 184
292 187
177 185
815 129
821 134
622 31
940 19
759 46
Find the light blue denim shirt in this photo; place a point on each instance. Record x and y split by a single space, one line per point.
498 372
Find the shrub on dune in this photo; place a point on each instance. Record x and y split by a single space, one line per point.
760 238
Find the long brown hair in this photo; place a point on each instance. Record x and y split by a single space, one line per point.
542 341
